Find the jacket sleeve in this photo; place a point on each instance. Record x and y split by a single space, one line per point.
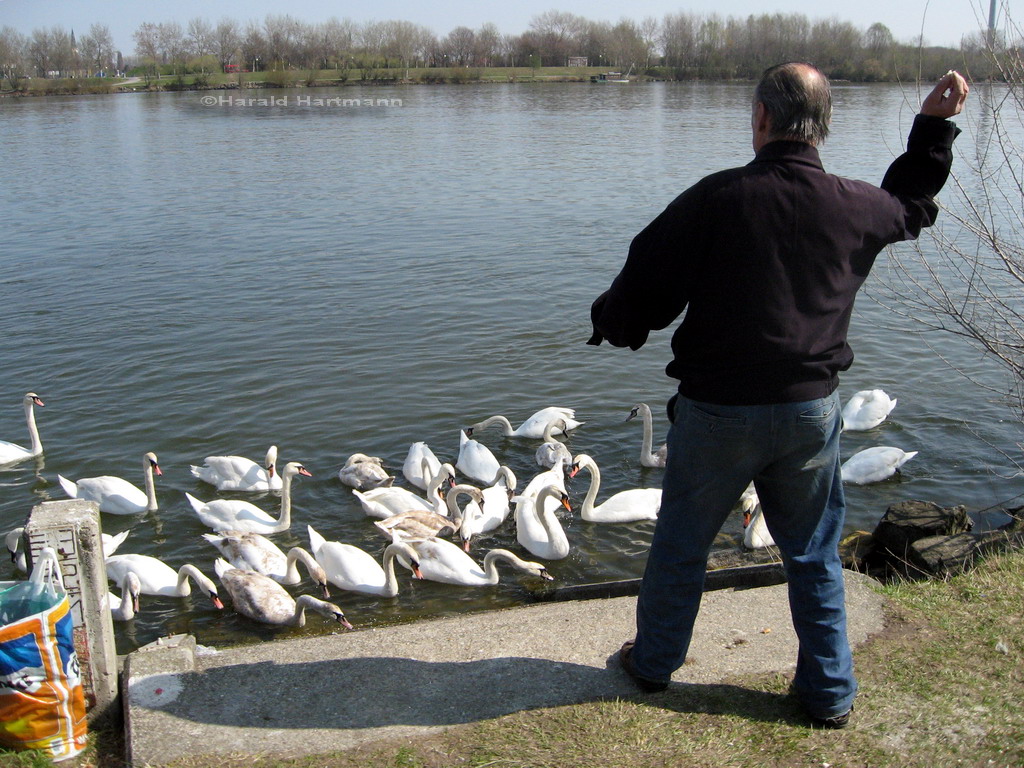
650 291
916 176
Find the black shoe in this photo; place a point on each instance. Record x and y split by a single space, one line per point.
643 683
834 723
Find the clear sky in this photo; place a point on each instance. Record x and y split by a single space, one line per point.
942 22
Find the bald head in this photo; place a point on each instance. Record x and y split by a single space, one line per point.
797 100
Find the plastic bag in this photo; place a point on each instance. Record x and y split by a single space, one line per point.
42 703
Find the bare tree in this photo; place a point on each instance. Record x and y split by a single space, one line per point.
97 48
201 39
679 39
227 41
13 67
147 48
458 46
966 277
558 35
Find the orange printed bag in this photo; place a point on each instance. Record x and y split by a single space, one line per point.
42 704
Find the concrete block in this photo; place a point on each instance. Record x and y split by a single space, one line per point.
72 528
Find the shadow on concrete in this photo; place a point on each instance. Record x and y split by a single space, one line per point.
377 692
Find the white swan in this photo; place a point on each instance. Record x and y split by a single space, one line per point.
125 607
350 568
237 473
476 461
492 511
385 502
158 578
420 524
623 507
551 451
364 472
236 515
14 537
537 528
866 409
9 452
533 427
874 464
114 495
262 599
255 552
443 561
647 457
414 469
755 531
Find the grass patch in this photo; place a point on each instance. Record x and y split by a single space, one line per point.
941 686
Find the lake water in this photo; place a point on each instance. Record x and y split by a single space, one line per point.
193 279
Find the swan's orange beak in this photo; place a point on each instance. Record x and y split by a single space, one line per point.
416 572
573 470
327 592
216 601
37 401
304 471
156 470
565 502
746 519
465 545
343 621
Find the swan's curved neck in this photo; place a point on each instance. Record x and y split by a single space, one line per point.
491 563
126 610
147 468
647 446
186 572
33 430
506 425
390 579
547 517
284 522
295 555
595 485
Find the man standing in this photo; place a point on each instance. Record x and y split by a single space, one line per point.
766 259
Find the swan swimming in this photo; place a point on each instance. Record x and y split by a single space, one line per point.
236 515
9 452
873 465
158 578
866 409
249 551
647 457
262 599
420 465
350 568
490 513
237 473
476 461
364 472
420 524
537 528
125 607
755 530
443 561
551 451
623 507
387 501
533 427
114 495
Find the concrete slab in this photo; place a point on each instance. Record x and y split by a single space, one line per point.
324 694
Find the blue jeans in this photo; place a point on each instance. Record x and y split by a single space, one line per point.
791 452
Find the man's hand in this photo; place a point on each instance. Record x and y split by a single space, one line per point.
947 97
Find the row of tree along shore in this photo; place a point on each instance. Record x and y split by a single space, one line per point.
680 46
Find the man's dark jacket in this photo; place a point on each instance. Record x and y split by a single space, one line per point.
766 259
